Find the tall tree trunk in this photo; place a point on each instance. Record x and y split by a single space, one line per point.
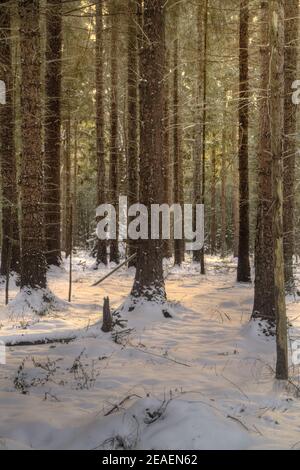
114 153
198 147
167 246
276 25
52 132
290 129
202 259
149 281
235 194
223 189
178 166
213 221
264 249
33 262
132 116
100 145
243 270
10 233
67 179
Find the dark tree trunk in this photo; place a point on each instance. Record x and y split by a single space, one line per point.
100 146
264 248
52 132
10 249
178 167
114 151
290 135
149 281
33 262
276 25
243 270
132 123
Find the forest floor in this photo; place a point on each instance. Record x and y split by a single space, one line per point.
201 380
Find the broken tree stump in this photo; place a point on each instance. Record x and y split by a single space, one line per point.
107 317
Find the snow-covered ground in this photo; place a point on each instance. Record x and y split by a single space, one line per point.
201 380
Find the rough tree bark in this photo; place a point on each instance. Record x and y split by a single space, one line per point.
53 132
149 282
33 262
167 246
198 147
263 306
213 181
290 130
223 189
101 256
178 166
276 28
10 233
132 116
243 270
114 151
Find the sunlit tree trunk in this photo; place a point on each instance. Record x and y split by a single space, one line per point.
290 134
276 25
53 132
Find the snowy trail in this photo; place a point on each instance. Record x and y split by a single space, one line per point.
208 359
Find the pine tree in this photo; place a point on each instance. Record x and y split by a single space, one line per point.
100 145
33 262
10 249
114 150
53 131
132 119
276 25
290 132
178 163
149 282
243 270
213 218
264 248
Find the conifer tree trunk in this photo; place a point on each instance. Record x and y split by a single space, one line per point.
243 270
149 281
33 262
167 246
198 148
114 153
10 233
178 166
264 249
213 222
235 196
53 132
100 146
276 25
223 189
132 116
290 130
203 185
67 179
